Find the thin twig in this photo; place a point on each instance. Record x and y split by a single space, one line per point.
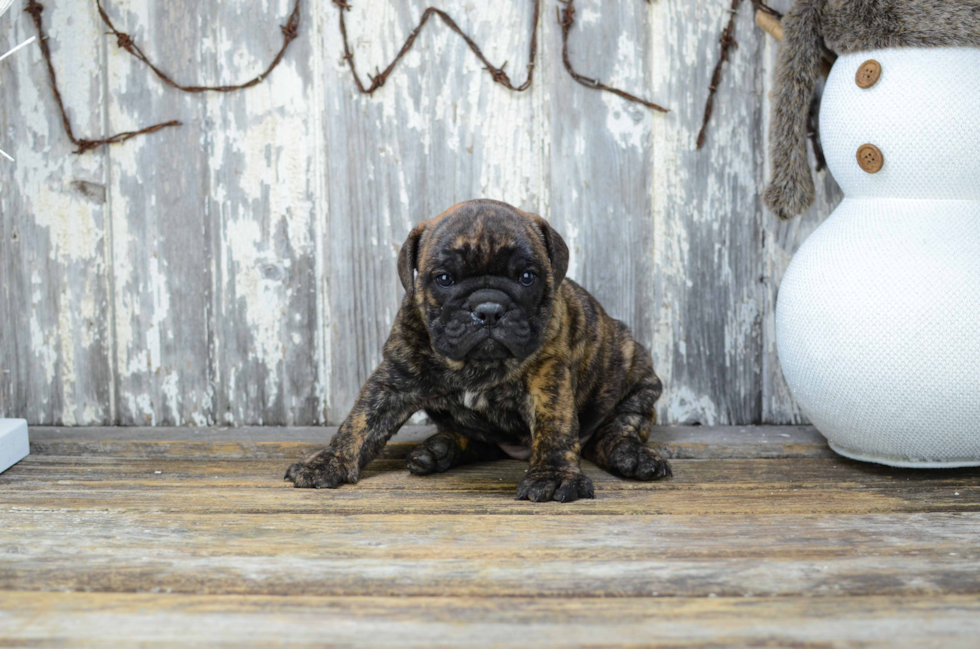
566 18
123 40
498 74
34 9
727 41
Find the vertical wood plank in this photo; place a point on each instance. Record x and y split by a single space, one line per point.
261 210
54 336
707 214
157 189
782 239
600 161
439 132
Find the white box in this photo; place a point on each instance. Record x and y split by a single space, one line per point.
14 446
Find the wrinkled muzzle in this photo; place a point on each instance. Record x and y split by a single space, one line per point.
486 325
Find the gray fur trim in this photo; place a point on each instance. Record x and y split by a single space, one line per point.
844 26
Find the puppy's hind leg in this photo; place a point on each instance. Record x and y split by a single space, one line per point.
619 445
447 449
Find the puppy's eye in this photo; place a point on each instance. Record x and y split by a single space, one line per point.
527 278
445 280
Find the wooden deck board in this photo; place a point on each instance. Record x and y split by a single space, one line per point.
99 620
176 536
510 556
681 442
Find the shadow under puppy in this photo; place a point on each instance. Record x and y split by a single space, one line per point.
507 357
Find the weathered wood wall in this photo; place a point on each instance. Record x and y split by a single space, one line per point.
240 269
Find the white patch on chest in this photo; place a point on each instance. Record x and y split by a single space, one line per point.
474 400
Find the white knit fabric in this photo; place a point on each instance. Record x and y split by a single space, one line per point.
924 115
878 315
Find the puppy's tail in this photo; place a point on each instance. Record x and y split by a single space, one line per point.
791 190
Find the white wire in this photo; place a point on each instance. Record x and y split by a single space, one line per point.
24 44
4 5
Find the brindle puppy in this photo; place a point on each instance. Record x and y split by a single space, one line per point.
507 357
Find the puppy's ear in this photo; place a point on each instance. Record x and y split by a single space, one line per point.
557 251
408 258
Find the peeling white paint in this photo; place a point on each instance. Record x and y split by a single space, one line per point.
624 120
161 306
684 407
171 396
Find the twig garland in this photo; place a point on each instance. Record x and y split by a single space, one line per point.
125 41
34 9
566 18
498 74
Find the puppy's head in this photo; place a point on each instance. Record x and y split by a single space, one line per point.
484 276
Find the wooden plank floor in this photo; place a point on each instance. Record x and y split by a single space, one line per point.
164 537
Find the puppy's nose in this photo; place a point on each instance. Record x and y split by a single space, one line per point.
488 313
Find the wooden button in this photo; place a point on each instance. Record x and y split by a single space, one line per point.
870 158
868 74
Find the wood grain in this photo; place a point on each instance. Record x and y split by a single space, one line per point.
262 205
708 214
51 619
162 264
599 159
492 556
55 263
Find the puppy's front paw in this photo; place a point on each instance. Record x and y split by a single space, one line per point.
634 459
551 483
434 455
325 470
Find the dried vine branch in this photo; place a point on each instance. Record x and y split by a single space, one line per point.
727 40
123 40
566 18
381 77
34 9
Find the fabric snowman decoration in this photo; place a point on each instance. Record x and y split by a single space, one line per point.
878 315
